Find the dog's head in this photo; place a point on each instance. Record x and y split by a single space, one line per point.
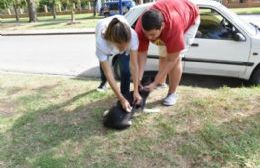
118 118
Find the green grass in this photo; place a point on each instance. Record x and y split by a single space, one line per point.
51 121
255 10
46 22
86 20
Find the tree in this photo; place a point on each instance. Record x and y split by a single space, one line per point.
96 6
54 13
32 10
5 4
16 5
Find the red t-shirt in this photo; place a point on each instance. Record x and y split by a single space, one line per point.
178 16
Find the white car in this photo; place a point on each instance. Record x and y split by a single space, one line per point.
225 45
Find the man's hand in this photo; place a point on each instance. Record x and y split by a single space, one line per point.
137 98
125 104
140 86
150 87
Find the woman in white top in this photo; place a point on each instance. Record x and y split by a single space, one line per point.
114 36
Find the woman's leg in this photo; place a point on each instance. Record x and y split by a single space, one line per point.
124 60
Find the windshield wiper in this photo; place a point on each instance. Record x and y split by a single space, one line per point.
257 27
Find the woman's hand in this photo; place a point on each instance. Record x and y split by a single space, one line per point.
125 104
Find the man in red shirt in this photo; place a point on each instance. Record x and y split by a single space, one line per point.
172 25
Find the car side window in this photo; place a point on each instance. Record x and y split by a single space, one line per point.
214 26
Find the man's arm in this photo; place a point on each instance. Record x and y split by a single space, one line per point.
135 73
112 82
172 60
142 57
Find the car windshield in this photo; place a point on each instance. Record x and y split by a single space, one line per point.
249 28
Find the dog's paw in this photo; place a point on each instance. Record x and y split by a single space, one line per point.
105 113
130 122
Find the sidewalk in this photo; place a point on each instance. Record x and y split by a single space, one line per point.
68 52
46 32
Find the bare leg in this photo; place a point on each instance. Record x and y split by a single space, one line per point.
175 77
162 62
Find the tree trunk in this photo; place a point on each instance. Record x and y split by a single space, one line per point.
79 5
9 11
72 16
73 13
32 10
16 13
95 6
54 9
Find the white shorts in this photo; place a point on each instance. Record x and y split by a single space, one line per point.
189 37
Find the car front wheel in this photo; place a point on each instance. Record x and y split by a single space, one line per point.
255 79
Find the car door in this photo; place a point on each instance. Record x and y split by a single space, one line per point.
215 50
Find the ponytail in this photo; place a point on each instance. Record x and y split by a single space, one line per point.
118 32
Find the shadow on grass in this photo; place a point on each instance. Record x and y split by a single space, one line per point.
212 82
47 24
206 81
37 132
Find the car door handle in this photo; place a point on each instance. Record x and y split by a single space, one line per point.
194 44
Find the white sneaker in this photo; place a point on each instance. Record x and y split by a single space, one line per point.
102 88
170 99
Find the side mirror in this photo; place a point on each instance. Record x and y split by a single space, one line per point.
238 37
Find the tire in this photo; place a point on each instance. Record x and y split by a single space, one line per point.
106 14
116 69
255 79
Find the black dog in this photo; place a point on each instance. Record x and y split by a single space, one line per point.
118 118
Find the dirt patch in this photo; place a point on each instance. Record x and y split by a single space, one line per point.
7 109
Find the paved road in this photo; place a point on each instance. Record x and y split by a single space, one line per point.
56 54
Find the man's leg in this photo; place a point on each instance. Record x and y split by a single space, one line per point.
174 80
162 63
175 77
124 60
176 73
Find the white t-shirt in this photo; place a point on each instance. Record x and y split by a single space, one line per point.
104 48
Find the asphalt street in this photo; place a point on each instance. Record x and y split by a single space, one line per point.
54 54
64 54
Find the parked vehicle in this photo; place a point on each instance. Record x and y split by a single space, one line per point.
110 8
225 45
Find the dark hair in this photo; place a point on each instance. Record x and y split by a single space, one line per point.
152 19
118 32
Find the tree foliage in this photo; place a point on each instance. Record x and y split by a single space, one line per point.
4 4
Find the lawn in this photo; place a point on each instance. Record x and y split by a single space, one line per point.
86 20
54 121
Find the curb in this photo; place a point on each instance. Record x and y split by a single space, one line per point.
46 32
42 34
